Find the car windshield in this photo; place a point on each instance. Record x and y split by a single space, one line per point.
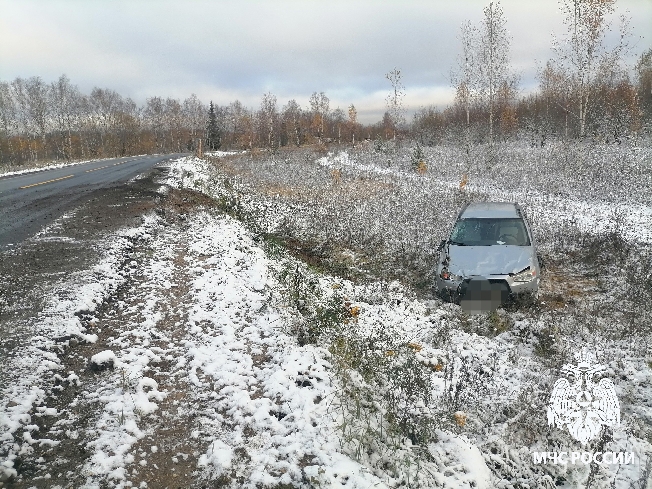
487 232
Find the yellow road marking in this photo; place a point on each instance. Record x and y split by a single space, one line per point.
49 181
95 169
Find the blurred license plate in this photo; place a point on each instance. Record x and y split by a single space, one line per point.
480 295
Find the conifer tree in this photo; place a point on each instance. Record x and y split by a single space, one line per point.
213 135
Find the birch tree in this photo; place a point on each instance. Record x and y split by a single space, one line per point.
31 97
194 114
338 119
319 105
104 105
64 101
291 119
8 117
174 123
128 127
395 100
269 117
644 86
154 116
353 122
493 59
556 95
583 53
237 115
465 79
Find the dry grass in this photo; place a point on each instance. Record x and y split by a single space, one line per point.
360 188
340 189
285 191
228 165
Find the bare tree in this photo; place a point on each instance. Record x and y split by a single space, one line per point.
291 120
493 59
319 105
128 128
269 117
104 105
338 119
644 86
239 123
39 110
465 79
174 123
31 98
428 125
395 100
238 118
353 122
556 96
8 118
194 114
154 116
582 53
64 101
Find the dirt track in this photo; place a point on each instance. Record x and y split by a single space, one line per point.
39 262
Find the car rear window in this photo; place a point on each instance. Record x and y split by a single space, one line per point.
488 232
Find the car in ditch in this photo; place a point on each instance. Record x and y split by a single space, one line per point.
489 259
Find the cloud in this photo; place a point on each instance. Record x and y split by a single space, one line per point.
227 49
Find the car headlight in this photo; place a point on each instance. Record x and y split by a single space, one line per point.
446 275
526 275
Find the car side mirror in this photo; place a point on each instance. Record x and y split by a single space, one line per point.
442 244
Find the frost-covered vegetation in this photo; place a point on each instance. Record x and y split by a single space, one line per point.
280 330
415 374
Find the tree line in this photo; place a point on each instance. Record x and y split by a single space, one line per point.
56 121
585 91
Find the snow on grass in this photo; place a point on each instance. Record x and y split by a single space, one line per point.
265 419
36 364
270 410
54 166
544 210
503 383
276 400
44 168
221 154
269 392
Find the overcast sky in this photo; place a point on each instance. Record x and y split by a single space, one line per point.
225 50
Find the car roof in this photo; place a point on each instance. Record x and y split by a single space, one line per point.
490 210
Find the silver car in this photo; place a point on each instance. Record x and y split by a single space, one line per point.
489 258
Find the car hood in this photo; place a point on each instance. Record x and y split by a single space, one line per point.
488 260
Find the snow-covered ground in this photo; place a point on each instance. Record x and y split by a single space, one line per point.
217 358
545 210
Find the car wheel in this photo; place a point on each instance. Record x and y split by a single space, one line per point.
528 299
445 295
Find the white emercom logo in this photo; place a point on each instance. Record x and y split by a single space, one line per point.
581 402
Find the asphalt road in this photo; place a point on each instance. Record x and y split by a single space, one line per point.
31 201
101 198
